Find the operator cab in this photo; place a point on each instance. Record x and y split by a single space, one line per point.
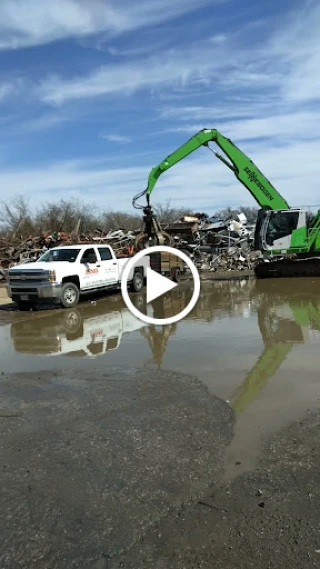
274 228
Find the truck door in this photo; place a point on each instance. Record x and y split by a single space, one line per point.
90 269
109 266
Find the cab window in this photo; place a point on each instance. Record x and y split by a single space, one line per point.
105 253
281 225
89 256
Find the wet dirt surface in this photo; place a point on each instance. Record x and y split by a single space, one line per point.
268 518
253 345
91 459
249 342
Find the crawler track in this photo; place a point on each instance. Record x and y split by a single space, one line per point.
288 268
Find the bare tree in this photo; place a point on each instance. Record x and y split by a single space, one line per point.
65 215
15 217
111 220
17 220
251 213
167 214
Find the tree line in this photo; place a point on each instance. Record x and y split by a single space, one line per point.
18 220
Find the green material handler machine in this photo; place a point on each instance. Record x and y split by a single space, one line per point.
290 246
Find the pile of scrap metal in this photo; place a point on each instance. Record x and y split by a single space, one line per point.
215 244
212 243
14 252
121 240
213 230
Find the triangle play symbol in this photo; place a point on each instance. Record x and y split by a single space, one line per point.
157 285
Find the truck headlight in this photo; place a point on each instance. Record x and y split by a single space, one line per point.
52 276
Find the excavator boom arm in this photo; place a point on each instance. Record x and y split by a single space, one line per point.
243 168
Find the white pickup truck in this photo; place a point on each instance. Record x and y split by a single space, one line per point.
63 274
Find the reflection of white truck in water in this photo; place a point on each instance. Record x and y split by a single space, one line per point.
62 274
89 332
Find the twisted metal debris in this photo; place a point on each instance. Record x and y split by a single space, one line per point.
212 243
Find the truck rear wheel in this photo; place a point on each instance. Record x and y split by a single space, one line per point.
175 274
137 282
70 295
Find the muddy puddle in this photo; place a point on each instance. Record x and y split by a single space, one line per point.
254 344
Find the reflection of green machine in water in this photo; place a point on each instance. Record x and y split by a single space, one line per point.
282 324
158 336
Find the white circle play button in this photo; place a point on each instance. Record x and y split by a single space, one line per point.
157 285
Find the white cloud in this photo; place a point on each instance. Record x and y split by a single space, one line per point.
5 90
218 38
230 109
223 67
281 127
201 181
285 65
73 178
10 88
43 122
34 22
278 75
116 138
180 68
296 46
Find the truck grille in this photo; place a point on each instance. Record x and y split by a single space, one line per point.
23 278
25 290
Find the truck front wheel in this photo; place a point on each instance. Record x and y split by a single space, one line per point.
137 282
69 295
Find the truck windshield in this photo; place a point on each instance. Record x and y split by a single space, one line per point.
68 255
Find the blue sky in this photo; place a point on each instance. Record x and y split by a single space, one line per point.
93 94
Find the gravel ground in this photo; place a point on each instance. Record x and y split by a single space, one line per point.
265 519
102 469
90 460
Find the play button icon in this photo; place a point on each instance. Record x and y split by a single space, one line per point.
158 285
